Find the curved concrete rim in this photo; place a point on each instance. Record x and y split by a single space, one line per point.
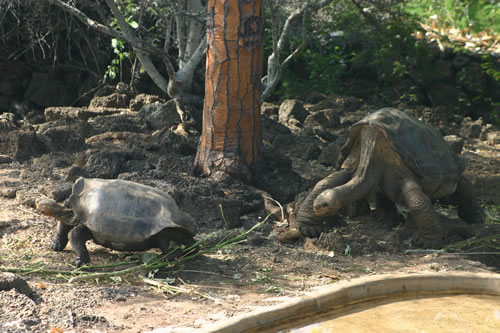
356 291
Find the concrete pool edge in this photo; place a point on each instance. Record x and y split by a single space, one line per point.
358 290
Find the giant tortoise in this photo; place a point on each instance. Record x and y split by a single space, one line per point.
406 160
119 215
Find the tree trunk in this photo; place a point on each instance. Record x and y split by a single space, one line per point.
231 135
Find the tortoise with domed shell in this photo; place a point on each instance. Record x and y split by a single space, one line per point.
406 160
120 215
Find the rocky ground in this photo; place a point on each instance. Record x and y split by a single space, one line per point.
138 137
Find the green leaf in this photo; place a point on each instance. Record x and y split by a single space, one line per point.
274 289
347 250
116 279
149 257
133 24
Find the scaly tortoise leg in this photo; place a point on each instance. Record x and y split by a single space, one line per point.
465 198
429 229
79 235
60 240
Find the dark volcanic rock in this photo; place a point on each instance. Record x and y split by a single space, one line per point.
471 129
456 143
58 112
22 144
11 281
141 100
105 164
58 192
66 138
123 122
269 110
330 153
75 172
282 185
160 116
292 108
47 90
115 100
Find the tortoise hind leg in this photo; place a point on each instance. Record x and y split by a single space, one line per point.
61 238
429 227
469 208
79 235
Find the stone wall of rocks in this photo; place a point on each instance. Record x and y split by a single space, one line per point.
59 86
14 80
454 80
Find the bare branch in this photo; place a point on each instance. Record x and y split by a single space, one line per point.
194 60
85 19
168 35
128 35
274 25
305 16
274 66
181 30
176 83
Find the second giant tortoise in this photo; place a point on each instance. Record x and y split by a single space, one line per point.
119 215
406 160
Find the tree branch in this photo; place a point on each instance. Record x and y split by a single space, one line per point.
181 27
194 60
173 86
274 67
86 20
138 47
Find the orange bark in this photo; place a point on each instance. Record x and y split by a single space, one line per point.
231 134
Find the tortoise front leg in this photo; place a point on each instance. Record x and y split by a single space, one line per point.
429 227
79 235
469 208
61 238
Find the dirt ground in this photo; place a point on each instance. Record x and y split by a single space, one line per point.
255 272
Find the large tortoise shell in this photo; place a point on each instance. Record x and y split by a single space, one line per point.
421 146
121 211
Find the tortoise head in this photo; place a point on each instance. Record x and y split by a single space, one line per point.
51 208
327 203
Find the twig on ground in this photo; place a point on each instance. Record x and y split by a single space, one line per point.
91 276
174 290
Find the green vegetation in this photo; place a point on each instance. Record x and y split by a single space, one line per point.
466 246
492 213
476 15
149 262
120 48
421 52
432 52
